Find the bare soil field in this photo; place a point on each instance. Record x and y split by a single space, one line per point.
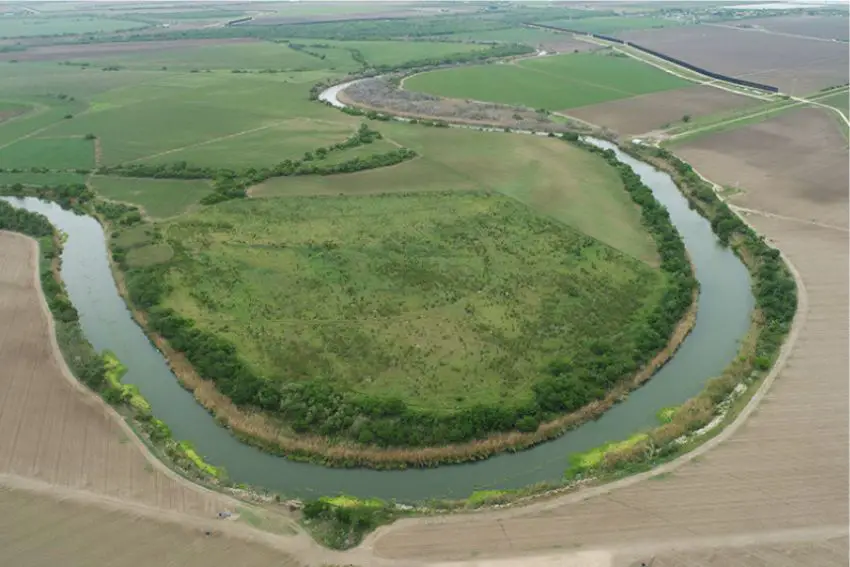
63 52
814 26
796 65
794 164
640 114
54 431
40 530
777 484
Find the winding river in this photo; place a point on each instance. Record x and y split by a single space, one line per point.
725 305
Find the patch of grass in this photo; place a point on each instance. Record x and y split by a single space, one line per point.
149 255
41 179
160 198
53 153
443 301
589 460
841 101
558 180
518 35
613 24
397 52
554 83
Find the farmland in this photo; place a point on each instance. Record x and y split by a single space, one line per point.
30 26
554 83
641 114
349 287
766 179
53 430
796 65
53 153
159 198
611 24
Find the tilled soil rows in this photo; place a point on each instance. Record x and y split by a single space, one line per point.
794 164
642 114
795 65
52 430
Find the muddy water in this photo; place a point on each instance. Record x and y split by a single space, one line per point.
725 304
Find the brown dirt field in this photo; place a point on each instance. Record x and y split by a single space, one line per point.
641 114
54 431
796 65
40 530
793 164
63 52
823 27
778 477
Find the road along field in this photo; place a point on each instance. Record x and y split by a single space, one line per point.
645 113
798 66
779 477
53 430
796 161
553 83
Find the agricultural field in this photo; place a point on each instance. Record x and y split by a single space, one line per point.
393 52
9 110
795 161
796 65
560 82
823 27
841 101
441 300
53 430
53 153
49 178
160 198
15 27
92 52
611 24
642 114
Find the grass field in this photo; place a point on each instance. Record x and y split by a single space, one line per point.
50 178
27 27
841 101
611 25
159 197
54 153
443 300
570 185
396 52
554 83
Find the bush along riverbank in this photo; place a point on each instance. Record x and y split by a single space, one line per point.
570 393
683 428
100 372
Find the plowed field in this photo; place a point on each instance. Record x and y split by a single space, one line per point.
796 65
641 114
52 430
794 164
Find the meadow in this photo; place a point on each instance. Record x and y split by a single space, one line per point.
441 300
553 178
160 198
560 82
43 179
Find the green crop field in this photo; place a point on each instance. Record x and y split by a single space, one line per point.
43 179
159 197
53 153
555 178
33 26
612 25
443 300
554 83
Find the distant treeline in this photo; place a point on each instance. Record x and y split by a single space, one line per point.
685 64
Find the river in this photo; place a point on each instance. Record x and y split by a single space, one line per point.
725 306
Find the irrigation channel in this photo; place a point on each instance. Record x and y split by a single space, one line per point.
725 305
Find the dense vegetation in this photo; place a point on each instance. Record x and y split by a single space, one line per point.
563 384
